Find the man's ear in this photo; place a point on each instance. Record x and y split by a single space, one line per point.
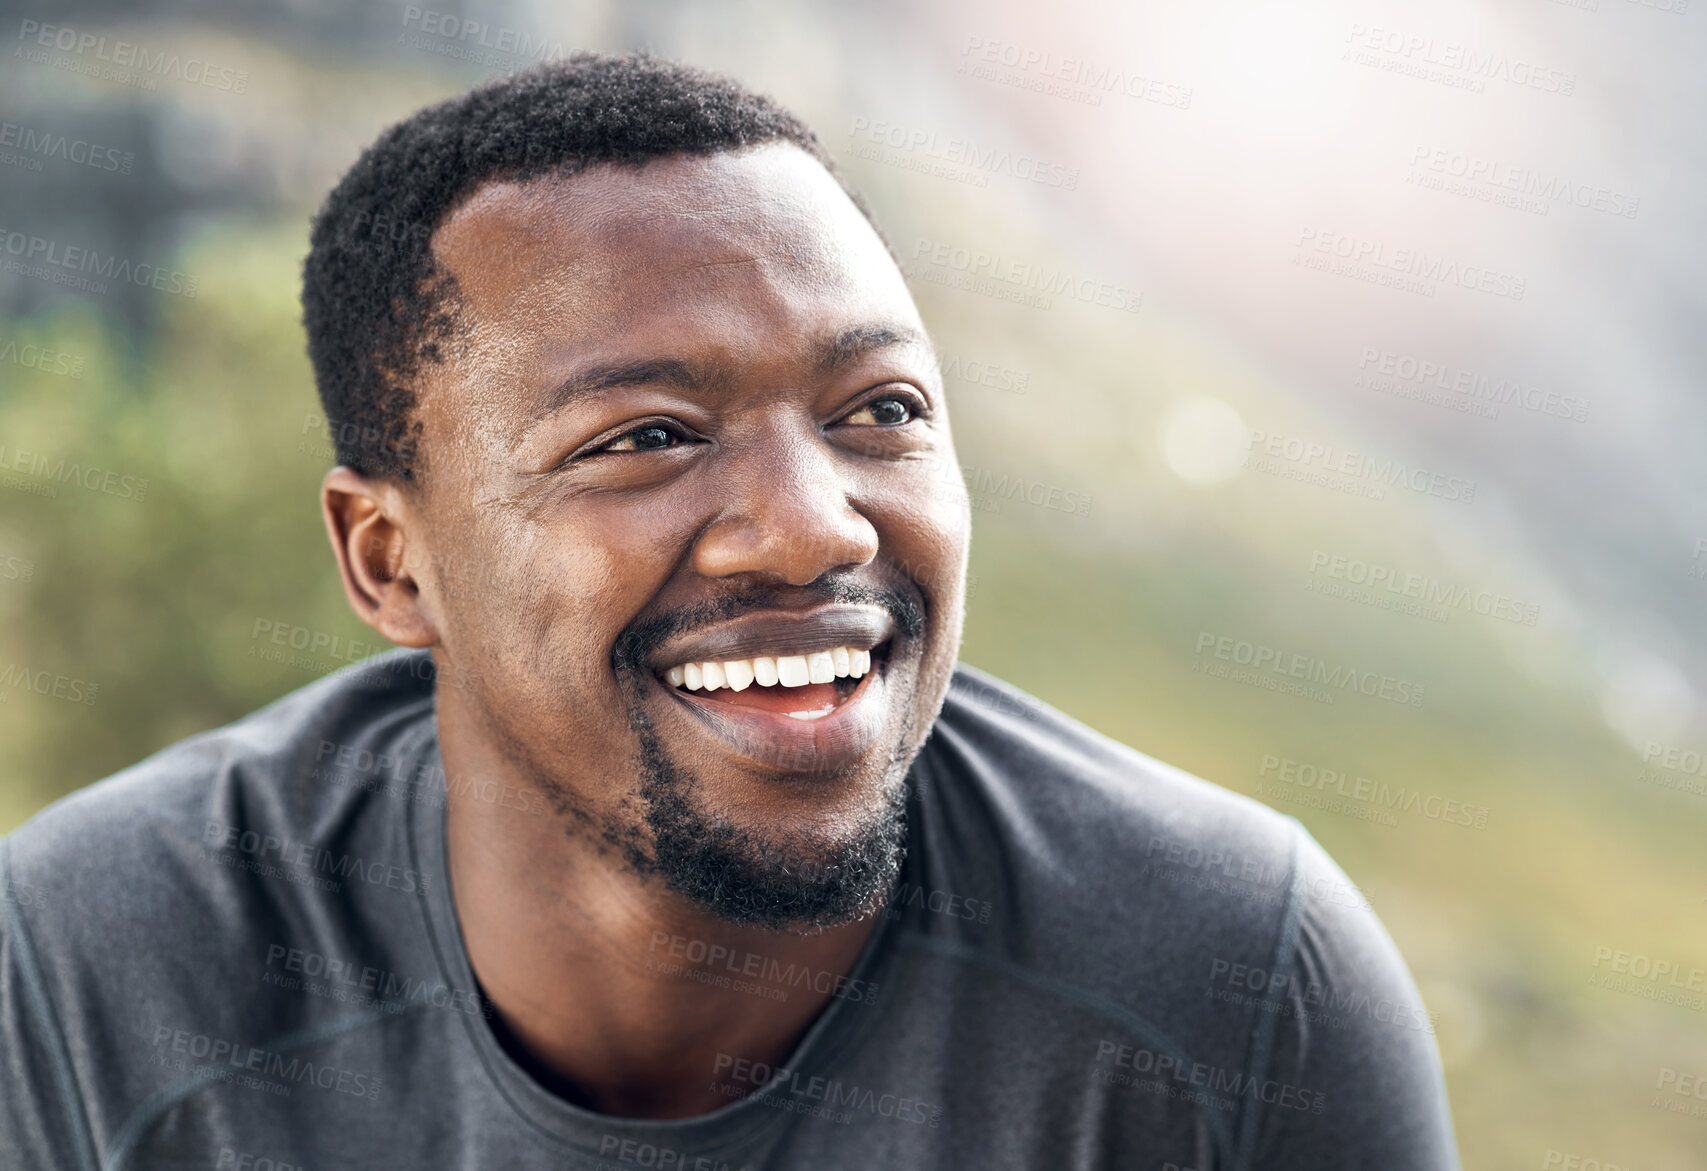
368 522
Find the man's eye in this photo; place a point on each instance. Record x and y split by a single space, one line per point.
882 412
649 438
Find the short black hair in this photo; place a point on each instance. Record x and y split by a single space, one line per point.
375 304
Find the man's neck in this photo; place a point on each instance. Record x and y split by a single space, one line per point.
615 992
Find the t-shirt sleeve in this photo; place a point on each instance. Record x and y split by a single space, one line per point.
42 1124
1355 1072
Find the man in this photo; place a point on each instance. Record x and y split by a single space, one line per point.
678 839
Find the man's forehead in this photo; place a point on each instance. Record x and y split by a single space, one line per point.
672 220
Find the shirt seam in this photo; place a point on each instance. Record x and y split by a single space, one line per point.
41 1008
156 1106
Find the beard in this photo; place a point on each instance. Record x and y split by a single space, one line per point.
766 876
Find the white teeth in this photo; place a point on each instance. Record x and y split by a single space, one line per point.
772 671
821 667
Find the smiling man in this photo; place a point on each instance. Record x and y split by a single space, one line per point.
675 837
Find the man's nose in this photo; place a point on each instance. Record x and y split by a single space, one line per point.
785 515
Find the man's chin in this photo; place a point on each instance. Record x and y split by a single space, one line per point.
751 877
776 872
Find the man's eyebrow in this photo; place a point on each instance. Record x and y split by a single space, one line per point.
847 347
856 342
610 376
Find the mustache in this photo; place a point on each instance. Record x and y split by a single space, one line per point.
633 647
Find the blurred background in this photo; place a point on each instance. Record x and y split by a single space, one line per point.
1359 340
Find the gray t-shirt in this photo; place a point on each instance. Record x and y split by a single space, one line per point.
243 953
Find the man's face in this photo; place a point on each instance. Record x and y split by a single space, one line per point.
693 418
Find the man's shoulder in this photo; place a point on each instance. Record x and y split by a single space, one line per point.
165 905
1106 870
188 842
1209 935
264 764
1095 807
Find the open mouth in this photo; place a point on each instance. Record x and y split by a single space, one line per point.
803 686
